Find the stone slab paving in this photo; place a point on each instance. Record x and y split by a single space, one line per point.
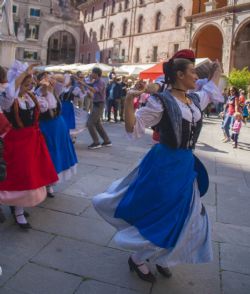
71 249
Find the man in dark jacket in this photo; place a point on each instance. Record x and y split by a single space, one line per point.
114 93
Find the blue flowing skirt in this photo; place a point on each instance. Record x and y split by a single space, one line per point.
59 143
68 114
158 200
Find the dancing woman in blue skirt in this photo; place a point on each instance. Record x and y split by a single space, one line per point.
157 208
57 135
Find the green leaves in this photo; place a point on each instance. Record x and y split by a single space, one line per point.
240 78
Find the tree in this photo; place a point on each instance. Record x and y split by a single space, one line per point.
240 78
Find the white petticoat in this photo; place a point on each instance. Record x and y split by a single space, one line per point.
193 244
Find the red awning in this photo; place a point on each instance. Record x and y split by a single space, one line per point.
152 73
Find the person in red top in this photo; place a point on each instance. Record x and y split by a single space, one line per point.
233 106
242 100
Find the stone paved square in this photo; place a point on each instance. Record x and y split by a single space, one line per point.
72 248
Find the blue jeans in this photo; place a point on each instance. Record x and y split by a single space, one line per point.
227 124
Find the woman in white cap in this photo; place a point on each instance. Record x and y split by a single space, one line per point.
29 166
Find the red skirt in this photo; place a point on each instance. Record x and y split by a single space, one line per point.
29 165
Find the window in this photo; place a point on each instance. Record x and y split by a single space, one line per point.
55 44
65 39
140 24
137 55
111 30
101 32
141 2
34 12
90 35
32 31
83 37
176 47
126 4
104 9
179 16
120 7
82 58
155 54
89 58
123 53
30 55
125 27
113 6
93 13
85 16
14 9
16 26
158 21
101 56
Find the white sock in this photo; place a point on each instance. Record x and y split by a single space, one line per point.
50 189
143 267
19 215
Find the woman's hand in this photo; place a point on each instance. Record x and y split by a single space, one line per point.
30 69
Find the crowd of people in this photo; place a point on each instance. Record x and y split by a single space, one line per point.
42 115
236 110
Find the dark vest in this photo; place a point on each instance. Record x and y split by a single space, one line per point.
27 116
175 131
67 96
51 113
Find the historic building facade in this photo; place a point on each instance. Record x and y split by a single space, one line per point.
47 32
132 31
141 31
221 29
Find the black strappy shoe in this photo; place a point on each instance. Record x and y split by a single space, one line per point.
50 195
12 210
164 271
22 226
135 267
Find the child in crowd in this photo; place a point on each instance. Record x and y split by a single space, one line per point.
236 128
245 112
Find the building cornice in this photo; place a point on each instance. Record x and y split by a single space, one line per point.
219 12
87 3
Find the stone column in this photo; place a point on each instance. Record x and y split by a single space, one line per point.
227 25
7 36
210 5
7 52
230 2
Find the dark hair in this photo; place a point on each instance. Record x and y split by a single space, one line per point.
97 70
171 67
236 91
3 75
26 78
41 75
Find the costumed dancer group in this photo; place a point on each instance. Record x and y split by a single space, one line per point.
157 209
37 148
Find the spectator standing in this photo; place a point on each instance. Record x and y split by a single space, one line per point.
233 106
124 87
114 93
94 121
112 74
242 100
